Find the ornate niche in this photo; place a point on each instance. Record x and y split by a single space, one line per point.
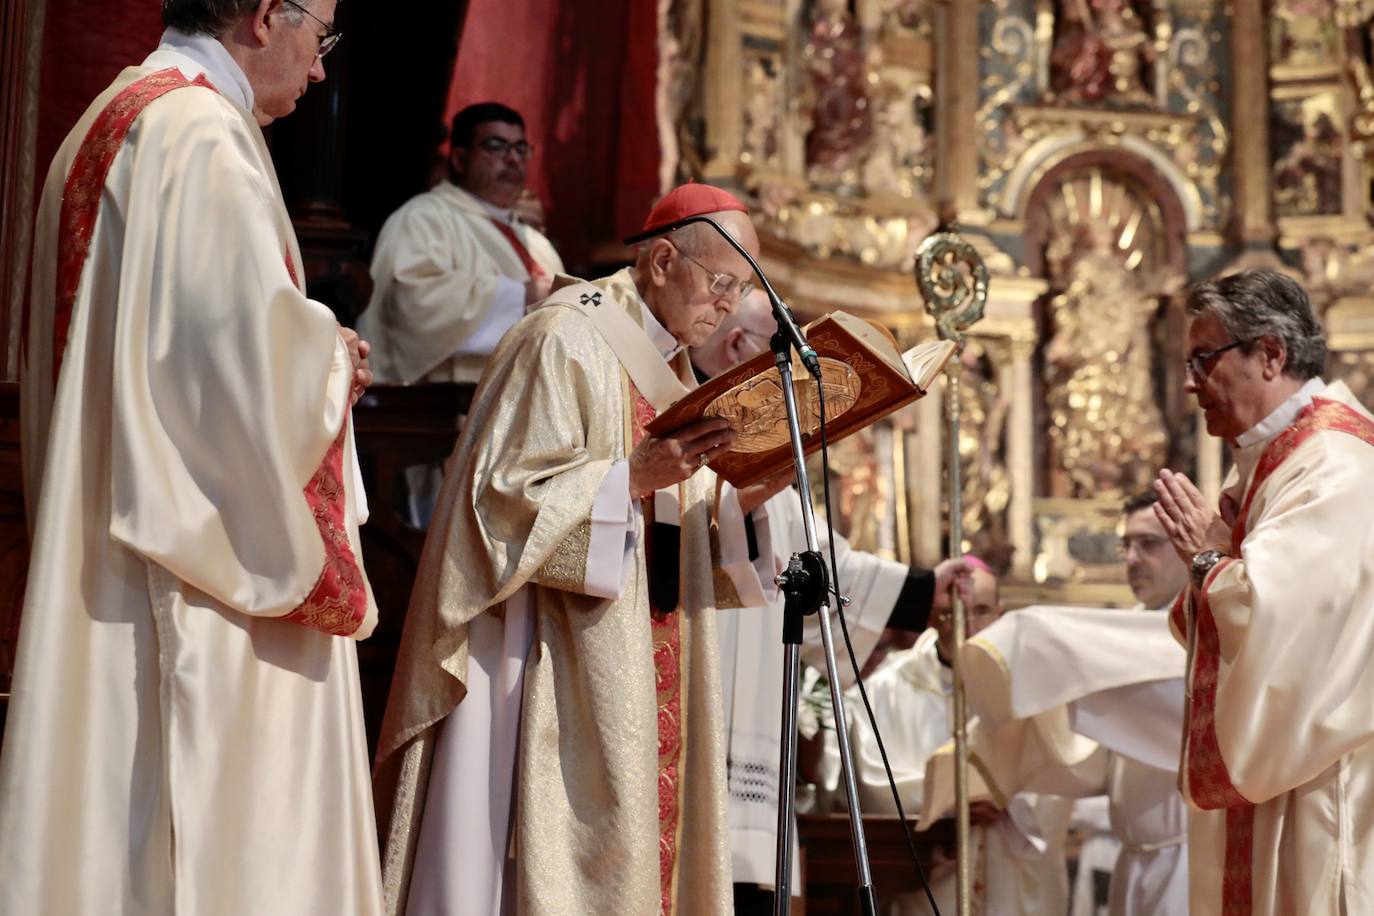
1108 232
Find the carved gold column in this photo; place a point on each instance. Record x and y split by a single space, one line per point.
724 63
1254 218
1016 377
956 126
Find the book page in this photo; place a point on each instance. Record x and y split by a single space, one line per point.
925 360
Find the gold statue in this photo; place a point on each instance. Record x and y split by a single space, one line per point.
1105 426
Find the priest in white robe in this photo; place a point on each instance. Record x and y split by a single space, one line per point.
889 601
455 267
186 731
553 740
1082 702
1278 619
1018 841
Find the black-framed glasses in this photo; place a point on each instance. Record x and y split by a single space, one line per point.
499 147
722 284
1199 365
1144 543
329 39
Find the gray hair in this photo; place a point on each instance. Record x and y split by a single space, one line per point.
1263 303
214 17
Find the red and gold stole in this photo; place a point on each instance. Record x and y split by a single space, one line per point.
531 265
338 603
666 628
1208 780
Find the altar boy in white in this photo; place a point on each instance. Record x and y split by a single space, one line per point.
1018 841
186 733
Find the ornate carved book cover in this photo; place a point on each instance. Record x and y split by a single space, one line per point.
865 379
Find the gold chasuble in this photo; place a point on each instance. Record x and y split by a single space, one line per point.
1278 743
618 801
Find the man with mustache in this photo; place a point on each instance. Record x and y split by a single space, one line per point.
456 267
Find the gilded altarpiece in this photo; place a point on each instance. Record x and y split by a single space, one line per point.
1088 149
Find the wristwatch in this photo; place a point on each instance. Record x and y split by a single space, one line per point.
1202 564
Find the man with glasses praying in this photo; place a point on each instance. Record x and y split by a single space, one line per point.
553 738
1278 616
455 267
186 731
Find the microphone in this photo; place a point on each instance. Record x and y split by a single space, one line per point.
787 323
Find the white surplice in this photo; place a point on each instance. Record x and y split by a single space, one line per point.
1018 862
447 285
173 743
751 658
1088 701
1281 690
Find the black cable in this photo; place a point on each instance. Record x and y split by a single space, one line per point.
854 659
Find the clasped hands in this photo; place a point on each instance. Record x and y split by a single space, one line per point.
1189 522
357 354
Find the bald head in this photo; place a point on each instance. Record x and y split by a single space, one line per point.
677 275
741 335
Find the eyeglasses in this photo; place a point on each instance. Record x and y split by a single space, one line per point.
329 39
1199 365
1144 543
722 284
498 147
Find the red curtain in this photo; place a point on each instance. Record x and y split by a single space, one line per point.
85 45
583 76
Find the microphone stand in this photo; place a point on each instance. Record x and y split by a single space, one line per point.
806 585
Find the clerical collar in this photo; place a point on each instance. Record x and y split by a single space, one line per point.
504 214
197 54
1282 416
667 344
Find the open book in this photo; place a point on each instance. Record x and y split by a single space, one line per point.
865 379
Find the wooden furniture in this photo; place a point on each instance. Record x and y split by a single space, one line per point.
397 426
829 876
14 540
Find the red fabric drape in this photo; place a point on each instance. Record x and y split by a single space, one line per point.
582 75
85 45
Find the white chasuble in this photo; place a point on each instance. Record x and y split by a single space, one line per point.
1018 861
602 714
1081 702
186 732
751 658
449 275
1278 757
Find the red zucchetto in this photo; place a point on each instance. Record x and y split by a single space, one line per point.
690 200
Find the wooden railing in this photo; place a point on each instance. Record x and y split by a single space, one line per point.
397 427
827 859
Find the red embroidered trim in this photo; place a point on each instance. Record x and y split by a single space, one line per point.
291 270
1322 414
338 603
86 183
1178 614
531 265
1209 783
1237 877
666 629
